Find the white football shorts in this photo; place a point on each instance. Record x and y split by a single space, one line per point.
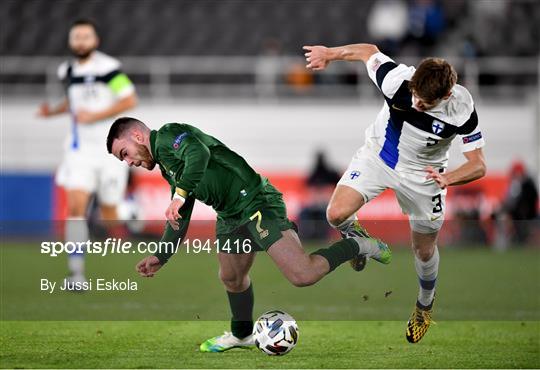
99 173
420 198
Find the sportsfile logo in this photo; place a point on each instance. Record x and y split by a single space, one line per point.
178 140
471 138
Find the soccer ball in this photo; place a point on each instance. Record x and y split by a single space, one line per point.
275 333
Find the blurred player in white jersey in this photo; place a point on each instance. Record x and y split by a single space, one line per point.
97 91
406 149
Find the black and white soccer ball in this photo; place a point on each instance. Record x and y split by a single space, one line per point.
275 333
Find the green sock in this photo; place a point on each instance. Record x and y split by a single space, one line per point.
242 312
339 252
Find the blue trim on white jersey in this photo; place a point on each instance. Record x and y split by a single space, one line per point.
390 152
74 132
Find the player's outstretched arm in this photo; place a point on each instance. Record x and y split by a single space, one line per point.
473 169
45 110
171 238
318 56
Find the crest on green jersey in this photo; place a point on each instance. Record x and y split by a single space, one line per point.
178 140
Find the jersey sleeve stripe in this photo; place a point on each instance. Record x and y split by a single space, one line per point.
109 76
103 78
119 83
470 125
383 71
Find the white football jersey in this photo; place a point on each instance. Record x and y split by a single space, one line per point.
408 140
93 86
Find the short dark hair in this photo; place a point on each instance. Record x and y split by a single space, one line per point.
433 79
85 22
118 128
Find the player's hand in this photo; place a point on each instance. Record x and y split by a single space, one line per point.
438 177
316 57
84 116
172 212
148 266
44 110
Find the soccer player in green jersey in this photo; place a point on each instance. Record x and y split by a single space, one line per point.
198 166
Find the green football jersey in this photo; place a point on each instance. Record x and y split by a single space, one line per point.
199 165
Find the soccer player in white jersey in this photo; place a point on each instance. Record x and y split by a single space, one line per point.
97 91
406 149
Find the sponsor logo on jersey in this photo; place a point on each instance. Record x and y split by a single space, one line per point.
354 174
398 108
178 140
437 127
471 138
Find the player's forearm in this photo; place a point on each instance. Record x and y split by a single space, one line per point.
469 171
353 52
175 237
61 108
172 239
120 106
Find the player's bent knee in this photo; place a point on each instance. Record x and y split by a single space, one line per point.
233 282
424 254
335 215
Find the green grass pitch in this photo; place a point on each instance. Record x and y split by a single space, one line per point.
487 314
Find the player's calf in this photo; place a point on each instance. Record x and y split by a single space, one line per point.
304 272
426 262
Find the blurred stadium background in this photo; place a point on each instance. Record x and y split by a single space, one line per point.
236 70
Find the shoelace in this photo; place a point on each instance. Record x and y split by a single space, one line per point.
424 316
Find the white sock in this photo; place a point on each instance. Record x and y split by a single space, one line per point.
76 264
368 246
345 225
427 276
76 230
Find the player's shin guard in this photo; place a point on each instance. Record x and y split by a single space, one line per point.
339 252
242 312
427 276
76 230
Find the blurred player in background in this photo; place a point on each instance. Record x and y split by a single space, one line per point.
96 90
424 110
521 203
